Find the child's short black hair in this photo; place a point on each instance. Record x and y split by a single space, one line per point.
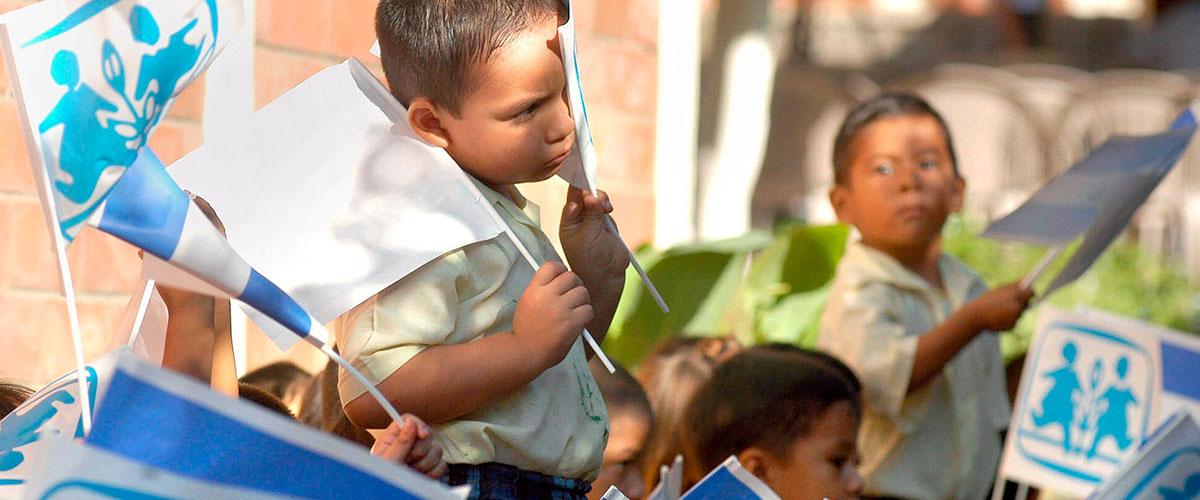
887 105
765 397
11 396
281 379
621 392
430 47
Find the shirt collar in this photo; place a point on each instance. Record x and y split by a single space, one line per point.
873 265
517 207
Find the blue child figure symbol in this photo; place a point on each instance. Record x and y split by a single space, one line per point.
88 146
21 429
165 67
1058 405
1114 407
1191 489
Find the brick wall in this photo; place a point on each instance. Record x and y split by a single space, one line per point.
296 39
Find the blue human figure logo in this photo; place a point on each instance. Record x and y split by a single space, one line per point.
18 430
1058 405
165 67
87 146
1191 489
1113 407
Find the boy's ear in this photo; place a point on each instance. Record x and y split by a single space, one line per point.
839 198
756 460
425 118
960 189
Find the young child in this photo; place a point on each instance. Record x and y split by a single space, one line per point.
909 319
632 423
475 342
789 415
670 374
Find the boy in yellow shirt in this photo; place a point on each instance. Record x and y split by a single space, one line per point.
475 342
910 320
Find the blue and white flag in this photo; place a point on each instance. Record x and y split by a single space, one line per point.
55 410
177 425
148 210
1166 467
1098 196
75 470
92 78
670 481
730 481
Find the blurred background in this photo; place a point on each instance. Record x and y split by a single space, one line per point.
714 122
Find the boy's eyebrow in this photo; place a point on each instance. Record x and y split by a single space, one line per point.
525 101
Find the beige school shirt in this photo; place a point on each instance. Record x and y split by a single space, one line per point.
942 441
556 425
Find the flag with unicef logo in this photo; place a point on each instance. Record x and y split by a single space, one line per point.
1093 388
55 410
92 80
1166 467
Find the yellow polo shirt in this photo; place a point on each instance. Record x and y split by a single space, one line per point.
942 441
556 425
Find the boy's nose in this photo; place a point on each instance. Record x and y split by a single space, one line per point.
563 125
910 178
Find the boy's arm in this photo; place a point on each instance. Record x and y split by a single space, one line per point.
597 255
444 382
997 310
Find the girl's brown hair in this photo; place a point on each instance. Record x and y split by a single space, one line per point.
765 397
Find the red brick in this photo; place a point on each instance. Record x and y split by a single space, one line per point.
643 22
634 213
352 29
620 75
612 19
7 5
624 146
16 175
3 79
296 24
173 139
35 335
28 257
107 264
189 105
277 71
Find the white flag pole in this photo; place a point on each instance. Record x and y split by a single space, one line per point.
362 379
147 292
1042 266
662 304
51 213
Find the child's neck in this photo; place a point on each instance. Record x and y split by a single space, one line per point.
920 259
508 191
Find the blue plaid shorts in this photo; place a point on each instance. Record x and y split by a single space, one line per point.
494 481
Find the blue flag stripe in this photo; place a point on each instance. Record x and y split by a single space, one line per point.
1186 119
274 302
1179 370
146 208
150 425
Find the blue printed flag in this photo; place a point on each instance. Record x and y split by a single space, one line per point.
174 424
1166 466
730 481
55 410
92 79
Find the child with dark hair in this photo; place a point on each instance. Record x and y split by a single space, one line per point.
282 379
475 342
321 408
670 374
910 319
789 415
11 396
631 422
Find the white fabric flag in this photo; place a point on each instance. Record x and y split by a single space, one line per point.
1166 467
670 482
614 494
332 195
53 410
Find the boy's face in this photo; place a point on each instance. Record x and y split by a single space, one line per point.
901 185
516 126
822 464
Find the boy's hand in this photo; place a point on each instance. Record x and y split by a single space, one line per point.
594 252
552 313
999 309
410 444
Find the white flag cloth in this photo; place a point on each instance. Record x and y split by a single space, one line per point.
1166 467
614 494
332 195
75 470
172 423
670 481
54 410
730 481
93 77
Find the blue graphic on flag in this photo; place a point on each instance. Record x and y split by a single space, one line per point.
147 209
172 423
97 78
730 481
1088 407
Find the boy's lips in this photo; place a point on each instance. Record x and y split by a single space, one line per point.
557 161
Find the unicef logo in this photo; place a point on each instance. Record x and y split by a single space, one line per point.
1086 406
